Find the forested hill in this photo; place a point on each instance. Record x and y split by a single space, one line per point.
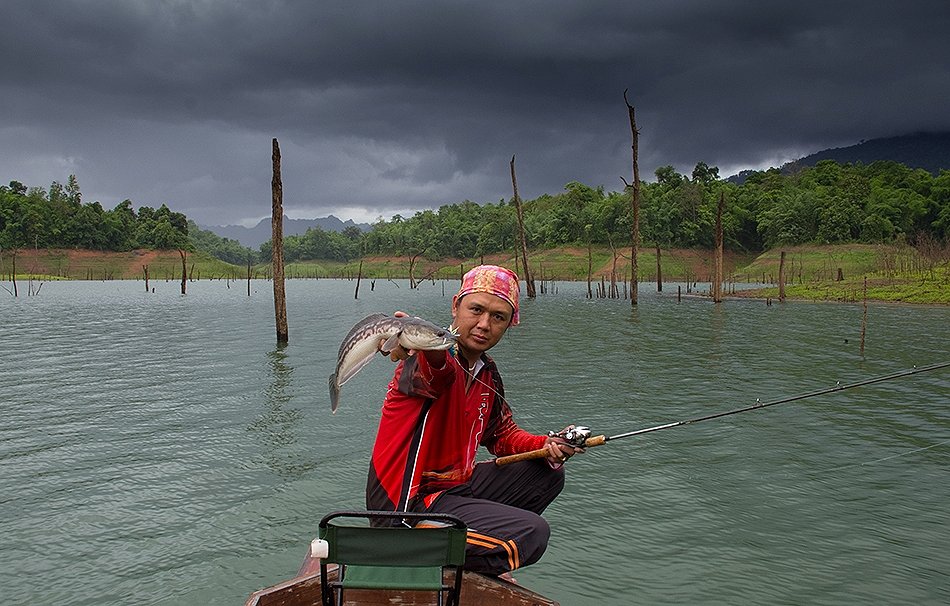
929 151
253 237
829 203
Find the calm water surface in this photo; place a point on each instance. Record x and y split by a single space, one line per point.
159 449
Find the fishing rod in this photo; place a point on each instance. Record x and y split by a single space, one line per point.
581 438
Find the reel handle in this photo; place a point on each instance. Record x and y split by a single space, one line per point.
543 452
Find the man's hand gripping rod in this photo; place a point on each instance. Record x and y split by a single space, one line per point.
575 436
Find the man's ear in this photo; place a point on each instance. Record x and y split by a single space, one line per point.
455 306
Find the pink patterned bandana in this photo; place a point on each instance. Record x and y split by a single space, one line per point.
494 280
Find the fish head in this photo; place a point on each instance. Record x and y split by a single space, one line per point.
422 335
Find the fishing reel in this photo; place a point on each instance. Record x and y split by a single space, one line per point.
575 435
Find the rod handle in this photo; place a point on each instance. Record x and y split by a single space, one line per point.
543 452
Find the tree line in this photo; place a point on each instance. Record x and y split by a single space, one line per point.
829 203
57 218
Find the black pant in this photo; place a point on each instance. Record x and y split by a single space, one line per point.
501 507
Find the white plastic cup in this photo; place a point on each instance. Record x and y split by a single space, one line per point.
319 548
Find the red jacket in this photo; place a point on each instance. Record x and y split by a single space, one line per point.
430 430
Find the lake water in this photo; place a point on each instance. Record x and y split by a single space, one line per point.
159 449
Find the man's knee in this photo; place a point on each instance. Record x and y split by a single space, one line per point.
535 541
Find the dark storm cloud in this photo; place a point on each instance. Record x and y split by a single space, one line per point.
397 106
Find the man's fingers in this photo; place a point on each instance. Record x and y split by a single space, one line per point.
556 452
400 353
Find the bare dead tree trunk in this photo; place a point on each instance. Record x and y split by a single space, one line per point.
184 271
249 277
359 276
659 270
412 267
864 318
277 243
145 269
717 273
590 267
781 277
614 291
13 275
528 280
634 203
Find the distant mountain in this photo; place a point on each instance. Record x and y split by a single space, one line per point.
253 237
929 151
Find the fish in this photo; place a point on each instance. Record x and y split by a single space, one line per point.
362 343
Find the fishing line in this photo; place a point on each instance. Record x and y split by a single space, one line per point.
875 461
581 436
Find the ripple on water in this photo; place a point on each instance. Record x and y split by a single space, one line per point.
160 448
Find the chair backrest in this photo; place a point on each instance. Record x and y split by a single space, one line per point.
401 550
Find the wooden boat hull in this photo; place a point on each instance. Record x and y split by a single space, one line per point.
477 589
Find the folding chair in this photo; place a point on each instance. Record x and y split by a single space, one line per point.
401 555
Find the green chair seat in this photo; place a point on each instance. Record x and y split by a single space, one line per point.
388 577
392 553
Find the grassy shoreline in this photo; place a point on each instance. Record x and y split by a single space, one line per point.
820 273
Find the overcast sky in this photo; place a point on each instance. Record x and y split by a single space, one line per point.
393 107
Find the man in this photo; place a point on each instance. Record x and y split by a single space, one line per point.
440 406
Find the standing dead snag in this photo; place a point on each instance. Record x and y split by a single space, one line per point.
413 259
277 244
145 269
864 318
528 280
590 268
717 277
781 277
184 271
614 289
359 276
634 203
13 274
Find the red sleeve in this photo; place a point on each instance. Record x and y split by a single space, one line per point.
503 436
418 379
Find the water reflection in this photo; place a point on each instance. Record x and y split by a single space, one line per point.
127 486
278 427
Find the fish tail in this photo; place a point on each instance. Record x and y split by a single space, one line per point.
334 393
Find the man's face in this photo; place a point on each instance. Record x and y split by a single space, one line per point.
481 319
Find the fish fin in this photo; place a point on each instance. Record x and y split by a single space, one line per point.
390 344
358 366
